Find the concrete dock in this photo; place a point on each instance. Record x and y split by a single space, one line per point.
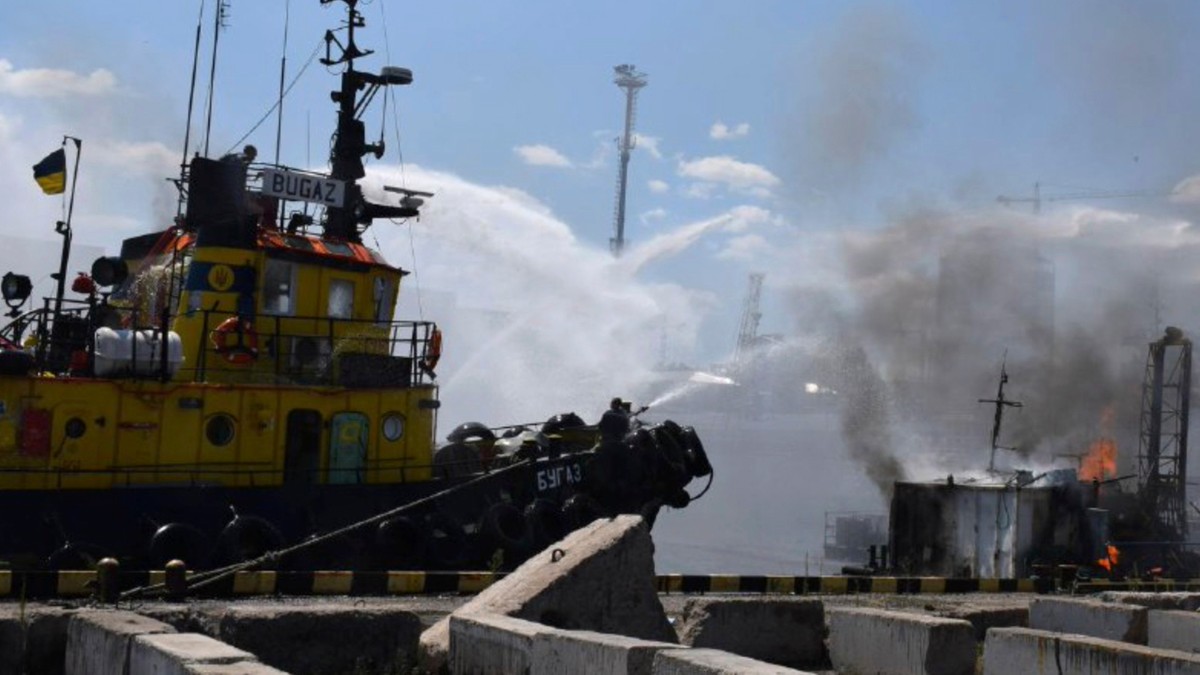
591 604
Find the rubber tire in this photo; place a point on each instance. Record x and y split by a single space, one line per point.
580 510
401 543
246 538
179 541
448 545
544 518
81 556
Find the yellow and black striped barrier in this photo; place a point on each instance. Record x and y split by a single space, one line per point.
64 584
1156 586
788 585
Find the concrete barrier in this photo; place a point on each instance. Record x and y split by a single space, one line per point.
33 639
581 651
1167 600
713 662
239 668
98 641
317 637
1173 629
1038 652
983 618
487 644
886 642
1108 621
175 653
786 631
600 577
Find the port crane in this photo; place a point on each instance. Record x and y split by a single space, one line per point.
1038 198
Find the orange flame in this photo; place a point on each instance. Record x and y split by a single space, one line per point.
1114 556
1100 460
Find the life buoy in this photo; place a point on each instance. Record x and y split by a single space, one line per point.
244 349
433 352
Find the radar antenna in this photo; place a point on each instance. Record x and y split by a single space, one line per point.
349 141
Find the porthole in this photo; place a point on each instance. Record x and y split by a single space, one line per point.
219 430
74 428
393 427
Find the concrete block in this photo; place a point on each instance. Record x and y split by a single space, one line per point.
173 653
1173 600
713 662
491 644
983 618
98 641
1123 622
878 641
239 668
581 651
600 578
787 631
33 639
1038 652
318 637
1173 629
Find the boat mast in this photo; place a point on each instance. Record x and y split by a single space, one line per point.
1001 404
349 143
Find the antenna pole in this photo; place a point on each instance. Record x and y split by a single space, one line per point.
1001 404
282 72
187 132
218 18
64 228
631 81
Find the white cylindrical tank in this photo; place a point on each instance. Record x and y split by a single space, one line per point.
117 349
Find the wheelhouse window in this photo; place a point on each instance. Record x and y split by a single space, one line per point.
341 299
279 287
382 289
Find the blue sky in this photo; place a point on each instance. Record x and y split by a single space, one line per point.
809 121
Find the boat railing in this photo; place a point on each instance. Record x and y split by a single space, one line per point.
267 349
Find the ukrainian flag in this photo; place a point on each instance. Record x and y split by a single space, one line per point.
51 172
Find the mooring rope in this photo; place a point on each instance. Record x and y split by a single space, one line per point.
206 578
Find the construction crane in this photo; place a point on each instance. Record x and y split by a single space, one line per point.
1038 198
748 332
631 81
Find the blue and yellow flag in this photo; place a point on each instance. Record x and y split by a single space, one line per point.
51 172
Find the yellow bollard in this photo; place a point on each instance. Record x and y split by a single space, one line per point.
176 580
108 582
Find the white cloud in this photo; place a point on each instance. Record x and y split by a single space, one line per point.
1187 191
746 247
541 155
725 170
649 144
721 132
658 186
152 157
48 82
653 215
700 190
745 216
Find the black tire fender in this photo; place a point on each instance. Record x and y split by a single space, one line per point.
179 541
402 542
545 521
697 458
579 510
246 538
505 525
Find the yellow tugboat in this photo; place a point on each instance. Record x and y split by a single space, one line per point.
237 382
